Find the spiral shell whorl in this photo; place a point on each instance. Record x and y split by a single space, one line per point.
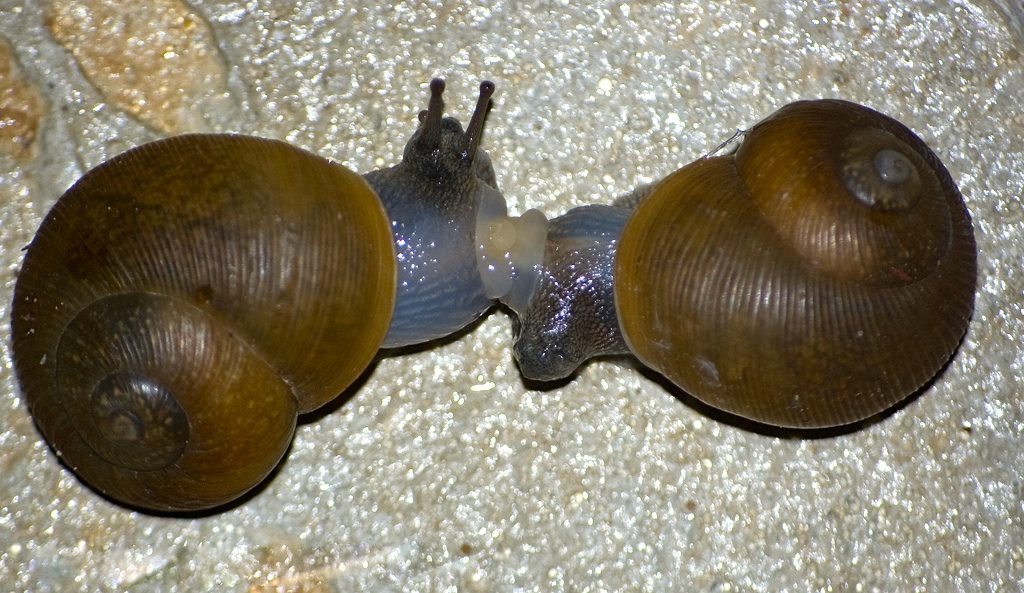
170 405
813 170
760 305
209 285
135 422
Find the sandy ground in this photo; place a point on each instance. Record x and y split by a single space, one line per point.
442 470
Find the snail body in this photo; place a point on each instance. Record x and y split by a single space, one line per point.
182 302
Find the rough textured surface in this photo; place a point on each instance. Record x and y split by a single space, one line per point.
443 471
21 107
155 60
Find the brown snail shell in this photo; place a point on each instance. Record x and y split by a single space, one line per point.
817 276
183 301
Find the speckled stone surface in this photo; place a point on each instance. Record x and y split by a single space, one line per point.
442 471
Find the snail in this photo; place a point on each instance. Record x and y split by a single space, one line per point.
184 301
815 277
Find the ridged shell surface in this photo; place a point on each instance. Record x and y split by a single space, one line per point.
184 300
818 276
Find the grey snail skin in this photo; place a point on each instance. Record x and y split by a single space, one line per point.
185 300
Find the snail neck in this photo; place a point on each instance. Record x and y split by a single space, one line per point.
438 288
509 250
575 280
